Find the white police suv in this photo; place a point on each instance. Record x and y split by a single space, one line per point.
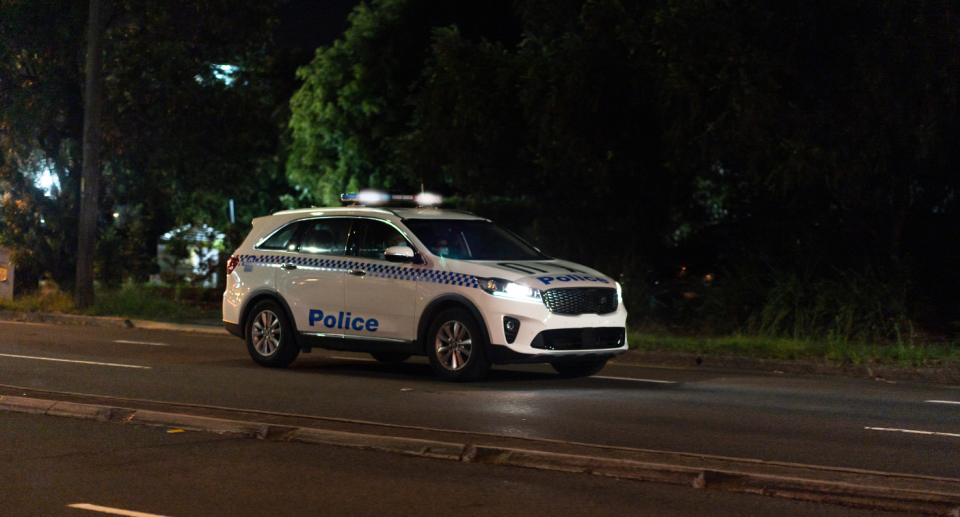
397 282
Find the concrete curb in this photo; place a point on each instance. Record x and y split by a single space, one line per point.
408 446
874 492
199 423
179 327
26 405
858 496
88 411
105 321
64 319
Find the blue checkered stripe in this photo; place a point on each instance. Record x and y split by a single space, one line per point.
412 274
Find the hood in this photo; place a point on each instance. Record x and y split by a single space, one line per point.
539 274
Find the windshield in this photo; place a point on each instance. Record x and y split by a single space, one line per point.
471 240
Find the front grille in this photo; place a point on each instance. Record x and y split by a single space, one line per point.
581 300
580 339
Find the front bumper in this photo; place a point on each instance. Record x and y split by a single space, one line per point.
499 354
543 336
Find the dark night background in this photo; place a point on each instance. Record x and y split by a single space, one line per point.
761 167
307 25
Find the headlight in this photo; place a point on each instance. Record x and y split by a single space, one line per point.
512 290
619 294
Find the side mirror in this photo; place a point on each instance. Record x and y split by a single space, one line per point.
403 254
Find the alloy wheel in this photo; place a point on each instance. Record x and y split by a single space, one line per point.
453 345
266 333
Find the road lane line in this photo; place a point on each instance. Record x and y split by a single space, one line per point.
114 511
632 379
944 402
140 342
72 361
911 431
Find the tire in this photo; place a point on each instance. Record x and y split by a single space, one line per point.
278 348
468 360
579 368
390 357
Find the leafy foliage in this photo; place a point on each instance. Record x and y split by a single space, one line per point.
648 135
833 123
352 109
191 120
559 119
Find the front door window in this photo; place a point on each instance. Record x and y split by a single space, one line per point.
377 289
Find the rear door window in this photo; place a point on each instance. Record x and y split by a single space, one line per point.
282 240
325 236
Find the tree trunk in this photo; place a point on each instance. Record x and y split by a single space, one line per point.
90 179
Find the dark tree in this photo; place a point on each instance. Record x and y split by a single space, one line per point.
90 176
194 109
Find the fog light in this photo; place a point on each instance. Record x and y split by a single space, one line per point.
511 326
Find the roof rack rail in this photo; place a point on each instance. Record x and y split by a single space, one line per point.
458 211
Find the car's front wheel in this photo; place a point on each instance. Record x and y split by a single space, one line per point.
456 348
270 339
579 368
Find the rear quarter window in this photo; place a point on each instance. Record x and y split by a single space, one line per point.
281 240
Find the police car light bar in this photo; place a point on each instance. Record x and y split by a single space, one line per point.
373 198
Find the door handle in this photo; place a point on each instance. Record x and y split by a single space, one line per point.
356 272
288 266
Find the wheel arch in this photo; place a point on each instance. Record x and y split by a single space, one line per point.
442 303
259 296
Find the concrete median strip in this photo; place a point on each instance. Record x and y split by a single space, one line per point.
199 423
408 446
849 487
26 405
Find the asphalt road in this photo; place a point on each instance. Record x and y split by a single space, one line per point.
810 420
50 465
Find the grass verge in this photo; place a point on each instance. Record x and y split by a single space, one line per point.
836 351
131 301
152 303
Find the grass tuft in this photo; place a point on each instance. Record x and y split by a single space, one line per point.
130 301
49 300
148 303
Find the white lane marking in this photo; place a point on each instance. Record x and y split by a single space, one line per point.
632 379
114 511
911 431
350 358
140 343
72 361
944 402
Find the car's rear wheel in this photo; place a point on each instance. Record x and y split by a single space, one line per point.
270 339
390 357
456 348
579 368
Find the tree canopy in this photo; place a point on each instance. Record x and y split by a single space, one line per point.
785 147
642 134
193 114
